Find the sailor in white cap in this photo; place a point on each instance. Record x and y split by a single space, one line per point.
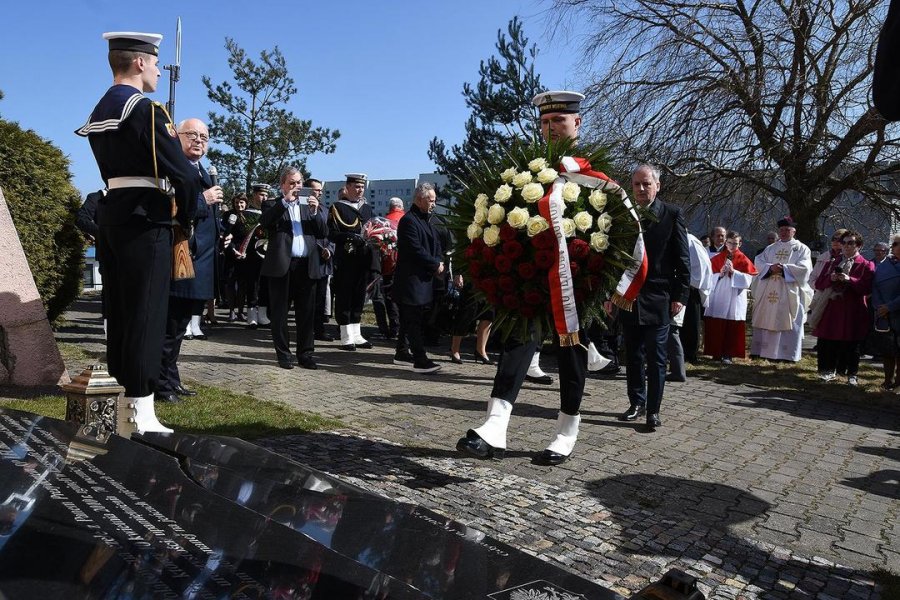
352 259
149 179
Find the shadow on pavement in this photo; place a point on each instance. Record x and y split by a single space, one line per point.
661 515
818 407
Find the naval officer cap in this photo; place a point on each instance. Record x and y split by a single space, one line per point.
559 101
134 41
355 177
260 187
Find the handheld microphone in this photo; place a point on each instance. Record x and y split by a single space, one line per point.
213 175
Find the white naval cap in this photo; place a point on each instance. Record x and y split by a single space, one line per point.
134 41
558 101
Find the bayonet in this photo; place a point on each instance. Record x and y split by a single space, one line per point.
174 71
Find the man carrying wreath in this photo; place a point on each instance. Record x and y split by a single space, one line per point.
560 122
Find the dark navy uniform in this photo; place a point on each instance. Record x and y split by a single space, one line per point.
133 137
352 259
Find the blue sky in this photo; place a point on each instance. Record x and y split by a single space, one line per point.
387 74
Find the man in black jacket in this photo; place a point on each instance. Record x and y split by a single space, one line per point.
418 263
665 290
291 267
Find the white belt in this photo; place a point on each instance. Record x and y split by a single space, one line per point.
115 183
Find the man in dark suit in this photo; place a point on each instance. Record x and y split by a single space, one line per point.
188 296
292 267
419 261
136 147
326 268
665 290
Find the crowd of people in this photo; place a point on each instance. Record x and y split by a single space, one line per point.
263 257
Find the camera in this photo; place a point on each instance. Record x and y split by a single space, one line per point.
838 270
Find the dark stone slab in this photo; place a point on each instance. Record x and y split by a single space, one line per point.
183 516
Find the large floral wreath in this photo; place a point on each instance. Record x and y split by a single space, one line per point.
521 218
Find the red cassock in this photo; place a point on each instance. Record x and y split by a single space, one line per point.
727 336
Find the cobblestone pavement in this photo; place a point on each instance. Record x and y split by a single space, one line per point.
759 495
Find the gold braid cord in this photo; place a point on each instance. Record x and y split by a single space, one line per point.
153 150
337 217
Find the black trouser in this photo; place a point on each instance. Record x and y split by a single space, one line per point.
179 315
137 269
349 288
645 364
387 313
514 363
247 274
412 329
838 355
690 329
294 287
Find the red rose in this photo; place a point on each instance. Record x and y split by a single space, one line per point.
472 252
595 263
526 270
544 259
574 267
511 301
493 298
474 269
513 249
507 284
533 298
579 249
529 312
489 286
503 264
594 282
544 240
508 232
488 254
478 244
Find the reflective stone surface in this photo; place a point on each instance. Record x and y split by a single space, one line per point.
184 516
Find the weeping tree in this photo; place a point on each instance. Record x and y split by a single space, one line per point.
766 101
257 136
500 103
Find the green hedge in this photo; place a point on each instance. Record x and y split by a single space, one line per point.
37 185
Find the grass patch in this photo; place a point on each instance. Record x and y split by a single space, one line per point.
213 411
798 377
74 352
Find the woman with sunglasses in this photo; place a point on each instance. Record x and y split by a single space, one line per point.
845 282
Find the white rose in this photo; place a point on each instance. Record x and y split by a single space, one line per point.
521 179
492 235
480 216
547 175
537 224
568 227
571 191
508 174
599 241
597 200
604 222
503 193
517 217
496 214
532 192
474 231
583 220
537 164
481 201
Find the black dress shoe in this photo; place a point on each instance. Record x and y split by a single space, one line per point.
367 345
348 347
455 359
633 413
202 336
188 336
307 363
473 445
324 337
183 391
168 398
550 458
484 360
609 371
286 364
543 379
653 422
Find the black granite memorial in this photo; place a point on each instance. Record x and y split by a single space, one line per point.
186 516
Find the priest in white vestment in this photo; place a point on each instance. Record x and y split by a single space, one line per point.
782 296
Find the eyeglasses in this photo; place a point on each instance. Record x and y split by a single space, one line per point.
835 239
849 243
194 136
